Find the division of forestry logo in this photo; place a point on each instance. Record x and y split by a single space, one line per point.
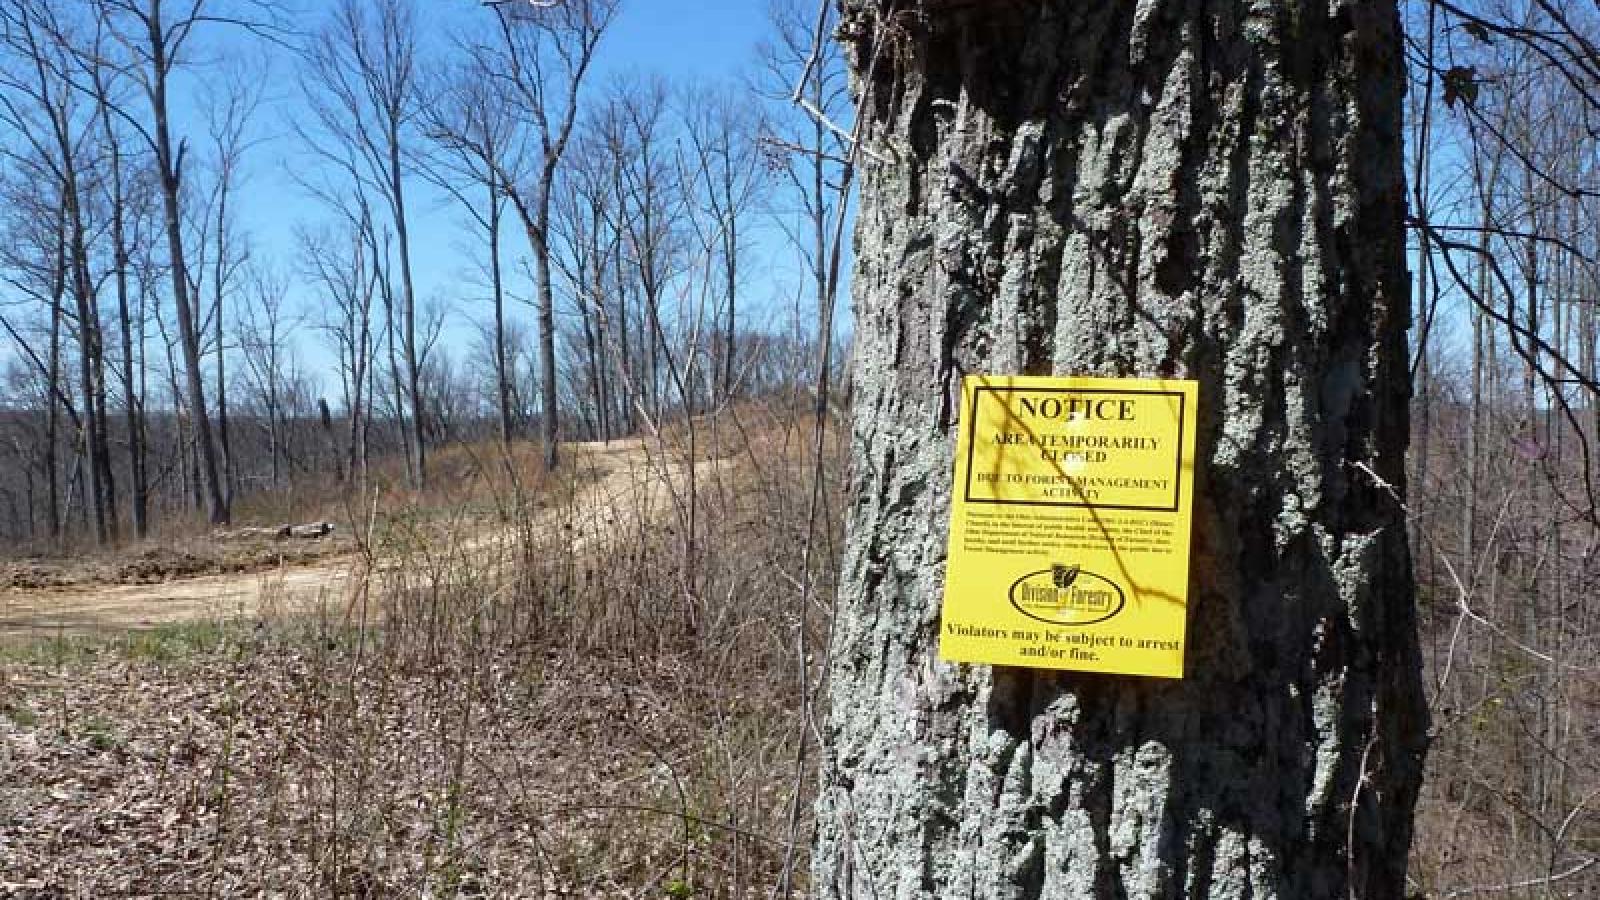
1067 595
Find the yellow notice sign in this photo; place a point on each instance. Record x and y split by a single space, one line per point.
1069 530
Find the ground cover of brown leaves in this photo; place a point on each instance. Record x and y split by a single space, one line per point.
329 766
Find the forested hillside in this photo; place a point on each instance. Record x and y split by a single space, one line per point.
535 319
218 215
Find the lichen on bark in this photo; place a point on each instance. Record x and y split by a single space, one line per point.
1206 190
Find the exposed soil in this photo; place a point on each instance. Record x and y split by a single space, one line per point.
219 577
233 576
223 553
141 604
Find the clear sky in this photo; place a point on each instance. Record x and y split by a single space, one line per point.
701 38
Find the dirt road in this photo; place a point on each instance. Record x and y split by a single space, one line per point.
133 606
618 483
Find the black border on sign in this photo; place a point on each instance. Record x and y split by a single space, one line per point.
972 444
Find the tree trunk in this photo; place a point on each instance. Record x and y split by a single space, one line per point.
218 284
729 230
623 364
502 368
363 367
133 399
1481 365
539 239
169 162
408 314
1135 190
592 339
99 492
52 390
397 386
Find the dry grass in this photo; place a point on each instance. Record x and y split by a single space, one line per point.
593 701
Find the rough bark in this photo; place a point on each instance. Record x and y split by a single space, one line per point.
1207 190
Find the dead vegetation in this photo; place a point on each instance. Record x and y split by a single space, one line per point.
1509 601
598 700
275 768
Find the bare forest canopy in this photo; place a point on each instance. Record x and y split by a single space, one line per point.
622 230
627 246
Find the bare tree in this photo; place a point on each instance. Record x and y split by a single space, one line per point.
1505 142
129 207
584 210
40 102
803 76
474 119
153 40
651 207
34 256
729 175
542 57
265 328
338 264
361 82
230 108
